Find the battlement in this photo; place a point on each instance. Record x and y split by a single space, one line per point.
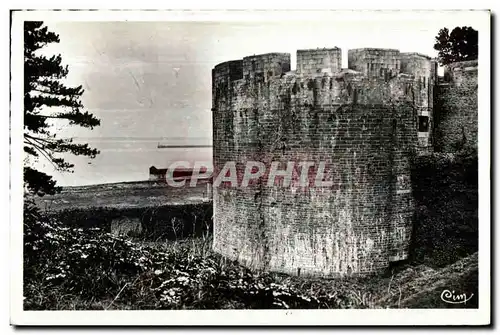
376 51
265 66
374 76
223 74
375 62
416 64
231 70
414 55
369 62
319 60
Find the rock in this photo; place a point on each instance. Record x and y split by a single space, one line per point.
126 226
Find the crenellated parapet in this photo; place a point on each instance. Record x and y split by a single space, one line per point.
312 61
262 68
370 71
318 80
418 65
223 75
375 63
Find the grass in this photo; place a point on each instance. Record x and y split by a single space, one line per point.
68 268
122 195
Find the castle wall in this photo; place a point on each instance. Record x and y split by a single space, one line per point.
375 63
222 76
264 67
319 60
362 128
456 108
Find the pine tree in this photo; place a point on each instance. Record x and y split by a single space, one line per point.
459 45
46 98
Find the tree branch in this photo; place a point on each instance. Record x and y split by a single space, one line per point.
45 154
55 93
37 138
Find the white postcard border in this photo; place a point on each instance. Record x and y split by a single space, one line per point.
480 316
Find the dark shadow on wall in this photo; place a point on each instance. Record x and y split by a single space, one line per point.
445 226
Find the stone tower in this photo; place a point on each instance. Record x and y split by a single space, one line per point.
424 70
360 123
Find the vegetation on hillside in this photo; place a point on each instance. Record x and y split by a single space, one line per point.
68 268
71 261
445 189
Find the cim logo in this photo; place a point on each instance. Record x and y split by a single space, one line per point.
451 298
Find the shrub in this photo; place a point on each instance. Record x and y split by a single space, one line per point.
67 267
170 222
89 263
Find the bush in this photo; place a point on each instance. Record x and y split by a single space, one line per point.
77 261
170 222
69 267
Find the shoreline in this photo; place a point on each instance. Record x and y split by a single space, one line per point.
123 195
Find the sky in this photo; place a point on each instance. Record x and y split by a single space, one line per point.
153 79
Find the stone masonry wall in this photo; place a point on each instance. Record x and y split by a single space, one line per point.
382 63
362 128
319 60
264 67
456 108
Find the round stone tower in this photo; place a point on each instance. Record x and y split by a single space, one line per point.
349 213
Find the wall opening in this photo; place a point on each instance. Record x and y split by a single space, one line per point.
423 123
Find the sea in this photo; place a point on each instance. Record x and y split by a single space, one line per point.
128 159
